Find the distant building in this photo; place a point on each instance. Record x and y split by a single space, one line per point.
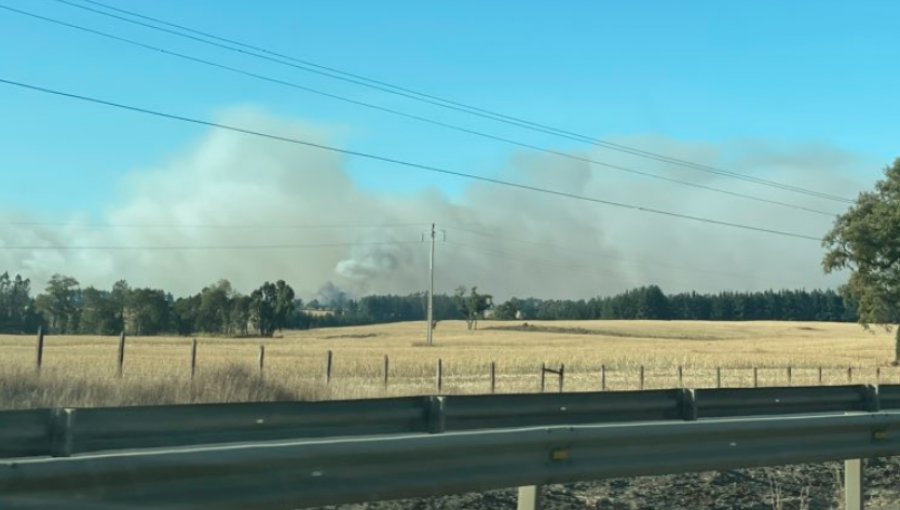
318 313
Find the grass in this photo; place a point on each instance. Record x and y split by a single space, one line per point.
80 370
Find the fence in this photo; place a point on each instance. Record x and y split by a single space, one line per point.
543 377
299 454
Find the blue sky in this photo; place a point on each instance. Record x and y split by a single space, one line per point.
798 72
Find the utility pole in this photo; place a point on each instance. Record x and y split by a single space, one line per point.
430 317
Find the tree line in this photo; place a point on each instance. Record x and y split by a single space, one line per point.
64 307
653 304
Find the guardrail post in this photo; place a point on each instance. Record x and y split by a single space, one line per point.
39 354
688 404
641 384
193 358
61 432
121 360
435 416
853 484
873 401
529 498
602 377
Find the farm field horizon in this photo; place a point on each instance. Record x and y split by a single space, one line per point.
295 361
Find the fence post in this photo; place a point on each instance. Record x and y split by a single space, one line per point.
680 376
718 377
820 376
493 377
328 360
193 358
789 375
877 375
641 384
543 371
529 498
602 377
262 360
39 354
850 375
440 375
853 484
755 378
386 368
121 354
562 376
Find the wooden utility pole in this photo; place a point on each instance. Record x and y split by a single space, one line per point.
430 315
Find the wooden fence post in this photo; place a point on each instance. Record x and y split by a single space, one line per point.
755 378
121 354
820 376
440 375
328 360
850 375
680 376
718 377
602 377
493 377
193 358
543 371
262 360
789 375
877 375
39 354
386 369
562 376
641 378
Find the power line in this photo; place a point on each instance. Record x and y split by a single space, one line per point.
386 87
213 226
408 164
419 118
197 247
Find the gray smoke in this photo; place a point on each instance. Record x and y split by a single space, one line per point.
506 241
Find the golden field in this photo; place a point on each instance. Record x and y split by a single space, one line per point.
295 362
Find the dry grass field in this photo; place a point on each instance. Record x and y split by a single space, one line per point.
80 370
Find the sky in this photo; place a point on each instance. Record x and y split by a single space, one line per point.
798 92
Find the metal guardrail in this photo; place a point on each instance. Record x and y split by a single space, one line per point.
62 432
296 454
313 472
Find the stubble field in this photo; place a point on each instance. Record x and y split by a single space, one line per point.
80 370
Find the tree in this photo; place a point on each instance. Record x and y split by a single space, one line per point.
262 308
866 241
284 304
60 303
475 304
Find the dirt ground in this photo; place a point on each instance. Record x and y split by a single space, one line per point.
800 487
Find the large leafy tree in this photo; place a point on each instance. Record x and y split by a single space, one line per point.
866 241
60 303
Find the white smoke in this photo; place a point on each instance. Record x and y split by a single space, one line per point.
506 241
